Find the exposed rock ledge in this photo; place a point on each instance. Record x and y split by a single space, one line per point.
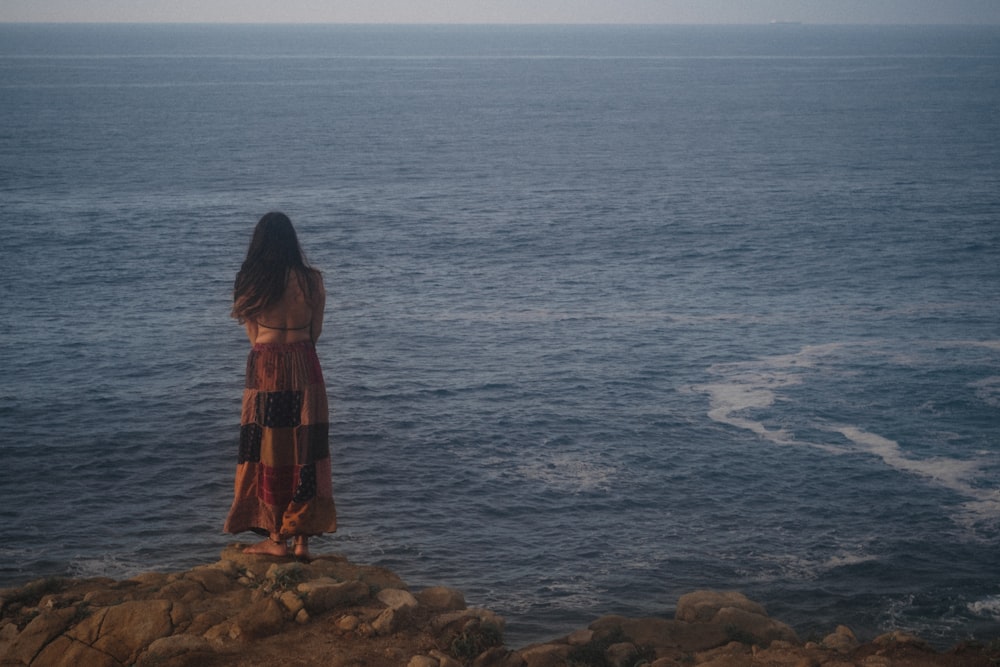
265 612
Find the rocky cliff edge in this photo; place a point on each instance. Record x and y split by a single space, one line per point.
261 611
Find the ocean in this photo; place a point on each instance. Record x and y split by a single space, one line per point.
615 313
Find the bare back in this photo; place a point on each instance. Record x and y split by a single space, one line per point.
292 319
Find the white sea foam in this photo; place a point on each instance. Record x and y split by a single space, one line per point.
988 607
758 384
988 390
791 567
846 560
729 399
567 472
949 473
986 344
105 566
755 384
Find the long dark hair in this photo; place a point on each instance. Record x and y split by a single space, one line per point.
274 255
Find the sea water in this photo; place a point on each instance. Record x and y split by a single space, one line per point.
615 313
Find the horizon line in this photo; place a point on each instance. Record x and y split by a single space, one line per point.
770 22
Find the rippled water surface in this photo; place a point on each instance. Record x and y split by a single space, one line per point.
614 313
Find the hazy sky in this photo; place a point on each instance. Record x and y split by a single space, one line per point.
504 11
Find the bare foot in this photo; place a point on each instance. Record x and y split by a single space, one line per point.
302 549
267 548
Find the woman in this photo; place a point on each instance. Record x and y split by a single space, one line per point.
283 477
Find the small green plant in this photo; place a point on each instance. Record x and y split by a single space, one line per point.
473 641
277 580
286 579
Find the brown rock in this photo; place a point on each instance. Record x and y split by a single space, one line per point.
180 616
104 597
462 617
608 624
8 633
199 612
338 568
653 631
222 631
621 654
292 602
40 631
400 605
348 623
842 640
545 655
387 622
127 629
201 623
893 639
150 579
498 656
261 619
64 652
783 654
441 598
397 599
733 654
177 650
665 662
702 606
379 577
750 626
443 659
876 661
88 629
322 595
211 579
423 661
182 589
702 636
254 562
662 633
228 567
335 567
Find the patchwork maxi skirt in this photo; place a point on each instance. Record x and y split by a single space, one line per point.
283 475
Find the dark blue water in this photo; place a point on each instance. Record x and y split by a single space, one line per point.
614 313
